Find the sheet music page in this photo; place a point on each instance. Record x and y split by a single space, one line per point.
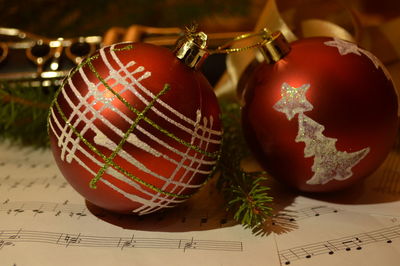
43 221
357 226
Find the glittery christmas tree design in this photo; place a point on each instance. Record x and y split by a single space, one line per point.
329 163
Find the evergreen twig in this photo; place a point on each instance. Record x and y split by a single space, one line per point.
244 191
23 113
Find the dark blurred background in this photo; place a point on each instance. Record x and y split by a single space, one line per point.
53 18
72 18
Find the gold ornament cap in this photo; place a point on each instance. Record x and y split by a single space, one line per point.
191 49
274 46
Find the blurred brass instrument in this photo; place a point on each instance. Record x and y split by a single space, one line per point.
25 57
40 61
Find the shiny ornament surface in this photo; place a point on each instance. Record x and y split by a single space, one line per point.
133 129
322 117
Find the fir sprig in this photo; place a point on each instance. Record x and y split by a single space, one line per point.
245 192
23 113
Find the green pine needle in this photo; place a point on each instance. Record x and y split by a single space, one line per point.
245 192
23 113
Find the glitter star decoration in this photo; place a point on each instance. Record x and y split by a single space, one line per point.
344 47
293 100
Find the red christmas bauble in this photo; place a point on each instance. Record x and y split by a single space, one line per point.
133 129
322 117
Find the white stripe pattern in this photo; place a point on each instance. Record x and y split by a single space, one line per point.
85 108
112 172
149 93
165 204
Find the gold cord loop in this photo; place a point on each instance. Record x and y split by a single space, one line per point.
273 46
264 34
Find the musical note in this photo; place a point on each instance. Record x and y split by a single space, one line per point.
128 243
292 216
388 240
188 245
331 248
341 244
5 243
318 210
17 211
71 240
284 258
308 255
79 240
17 207
15 185
38 210
81 214
349 244
14 236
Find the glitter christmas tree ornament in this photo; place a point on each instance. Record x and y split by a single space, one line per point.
135 127
319 114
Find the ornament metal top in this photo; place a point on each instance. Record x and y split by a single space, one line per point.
191 49
320 114
135 127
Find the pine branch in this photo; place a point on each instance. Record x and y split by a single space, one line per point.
23 113
244 191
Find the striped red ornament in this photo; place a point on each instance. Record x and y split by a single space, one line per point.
133 129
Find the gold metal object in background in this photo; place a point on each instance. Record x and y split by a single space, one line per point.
191 49
27 57
40 60
274 46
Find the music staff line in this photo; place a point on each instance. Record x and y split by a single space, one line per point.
8 182
26 164
301 214
80 211
355 242
37 207
10 238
